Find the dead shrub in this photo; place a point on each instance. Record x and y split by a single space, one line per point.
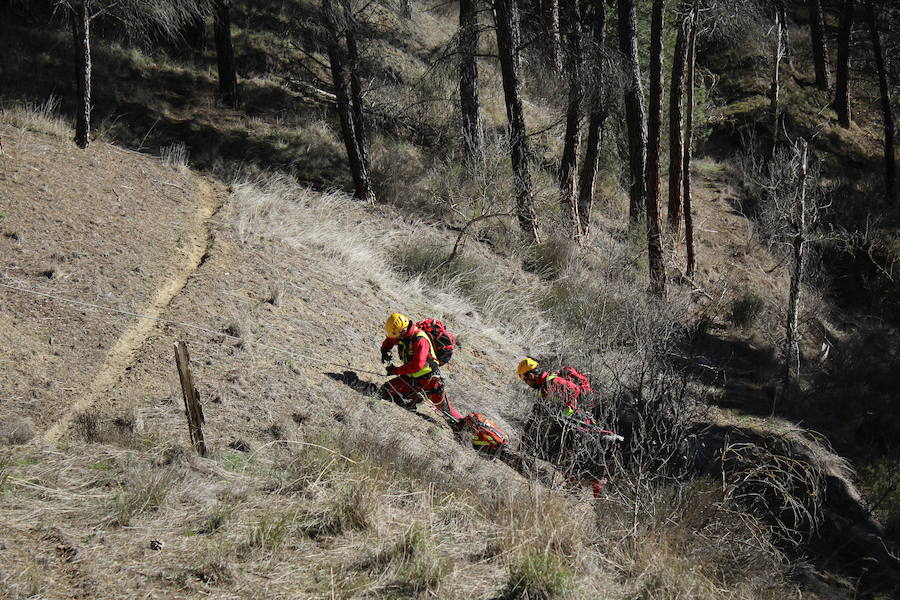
143 491
15 431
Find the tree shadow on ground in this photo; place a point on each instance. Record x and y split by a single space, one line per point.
741 371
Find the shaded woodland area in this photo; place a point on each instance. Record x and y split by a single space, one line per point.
695 201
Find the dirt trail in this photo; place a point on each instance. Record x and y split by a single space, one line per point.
122 354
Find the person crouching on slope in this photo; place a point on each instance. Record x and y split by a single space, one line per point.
551 385
419 376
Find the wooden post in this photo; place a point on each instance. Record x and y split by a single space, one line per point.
192 408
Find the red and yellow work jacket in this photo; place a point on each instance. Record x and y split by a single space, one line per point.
416 352
559 388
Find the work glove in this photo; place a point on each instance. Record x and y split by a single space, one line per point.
385 356
390 369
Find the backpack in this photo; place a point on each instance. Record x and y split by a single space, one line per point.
441 339
575 376
484 432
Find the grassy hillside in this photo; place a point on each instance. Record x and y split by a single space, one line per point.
227 229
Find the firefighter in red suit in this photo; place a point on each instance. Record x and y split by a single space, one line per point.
419 376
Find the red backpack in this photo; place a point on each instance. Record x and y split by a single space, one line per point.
484 432
441 339
575 376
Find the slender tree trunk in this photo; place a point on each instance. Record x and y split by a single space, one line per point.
468 77
555 34
406 8
798 255
597 117
774 86
225 54
505 19
634 108
568 165
654 242
356 93
890 176
358 168
785 34
688 146
842 79
676 122
819 47
81 37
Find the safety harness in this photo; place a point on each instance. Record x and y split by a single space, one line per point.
405 351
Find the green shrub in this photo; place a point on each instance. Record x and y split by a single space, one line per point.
746 309
539 577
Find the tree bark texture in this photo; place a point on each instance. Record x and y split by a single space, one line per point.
356 93
676 121
819 46
598 113
842 75
890 174
634 108
572 140
555 35
775 84
358 168
798 256
225 54
81 38
688 146
468 77
505 17
654 241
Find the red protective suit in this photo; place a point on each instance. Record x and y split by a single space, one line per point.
415 351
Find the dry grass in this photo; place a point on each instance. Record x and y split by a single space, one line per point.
41 117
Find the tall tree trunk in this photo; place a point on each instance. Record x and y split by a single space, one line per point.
468 77
555 35
774 86
81 37
654 242
798 255
634 108
597 117
505 19
225 54
819 46
785 34
890 175
572 140
842 79
356 94
688 146
676 121
358 168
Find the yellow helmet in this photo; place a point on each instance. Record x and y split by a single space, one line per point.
527 365
396 324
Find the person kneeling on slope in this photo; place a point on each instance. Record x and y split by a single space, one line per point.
419 376
565 388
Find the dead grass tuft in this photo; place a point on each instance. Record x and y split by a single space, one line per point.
42 117
15 431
